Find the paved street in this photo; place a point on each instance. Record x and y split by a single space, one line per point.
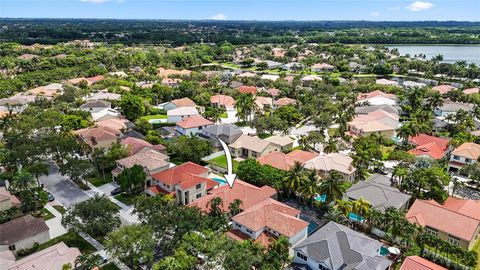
65 191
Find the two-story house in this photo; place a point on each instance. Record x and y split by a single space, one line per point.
228 133
151 161
337 162
466 153
192 125
187 182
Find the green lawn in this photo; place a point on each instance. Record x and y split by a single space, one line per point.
126 199
71 239
224 115
45 214
60 209
154 116
221 161
98 180
331 131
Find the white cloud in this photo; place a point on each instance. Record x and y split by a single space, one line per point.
374 14
419 6
393 8
219 16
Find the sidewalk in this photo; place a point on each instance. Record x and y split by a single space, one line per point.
55 226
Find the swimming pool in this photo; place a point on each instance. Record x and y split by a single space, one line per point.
355 217
312 225
321 198
384 251
221 181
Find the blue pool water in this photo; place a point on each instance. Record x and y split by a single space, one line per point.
321 198
355 217
384 251
221 181
312 225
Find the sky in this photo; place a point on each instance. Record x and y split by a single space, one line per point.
374 10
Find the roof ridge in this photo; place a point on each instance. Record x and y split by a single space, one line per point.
440 206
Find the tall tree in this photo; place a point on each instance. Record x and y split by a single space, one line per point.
331 187
132 180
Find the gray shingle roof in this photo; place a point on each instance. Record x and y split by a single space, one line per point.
340 247
378 192
369 109
223 129
20 229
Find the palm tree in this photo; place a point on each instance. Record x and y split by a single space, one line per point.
88 261
399 173
215 206
331 187
375 217
294 177
303 142
234 207
335 215
345 207
435 100
23 181
330 146
246 106
309 187
361 207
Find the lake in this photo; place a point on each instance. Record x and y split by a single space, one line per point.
451 53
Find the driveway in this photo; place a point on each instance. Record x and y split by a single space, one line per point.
65 191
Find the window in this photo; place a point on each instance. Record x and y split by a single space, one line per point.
249 231
301 256
199 195
467 160
453 240
456 157
431 231
199 186
12 248
321 267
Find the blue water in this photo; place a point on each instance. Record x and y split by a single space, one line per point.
451 53
384 251
221 181
321 198
356 218
312 225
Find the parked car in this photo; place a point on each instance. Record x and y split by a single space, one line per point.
51 198
116 191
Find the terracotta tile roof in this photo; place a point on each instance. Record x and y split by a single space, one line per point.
21 228
285 101
95 79
323 66
284 161
419 263
272 214
92 136
443 89
456 217
165 73
183 102
386 82
432 146
468 150
264 239
376 93
334 161
113 124
181 173
151 159
247 193
251 143
53 257
247 89
193 122
273 92
224 100
281 140
5 195
263 101
168 81
134 145
470 91
302 156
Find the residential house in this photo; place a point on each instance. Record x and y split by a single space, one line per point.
264 103
377 122
171 82
53 257
311 78
176 115
272 64
135 145
228 133
166 73
273 92
335 247
177 103
284 102
471 91
285 142
106 114
22 233
249 194
268 220
451 107
150 160
99 137
187 182
412 84
356 67
443 89
247 89
192 125
293 66
428 146
337 162
7 200
278 52
466 153
246 75
103 95
377 190
419 263
386 82
48 91
120 125
323 67
95 106
271 77
368 109
251 147
377 97
222 101
456 221
27 56
284 161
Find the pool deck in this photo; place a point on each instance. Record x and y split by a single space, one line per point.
308 214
